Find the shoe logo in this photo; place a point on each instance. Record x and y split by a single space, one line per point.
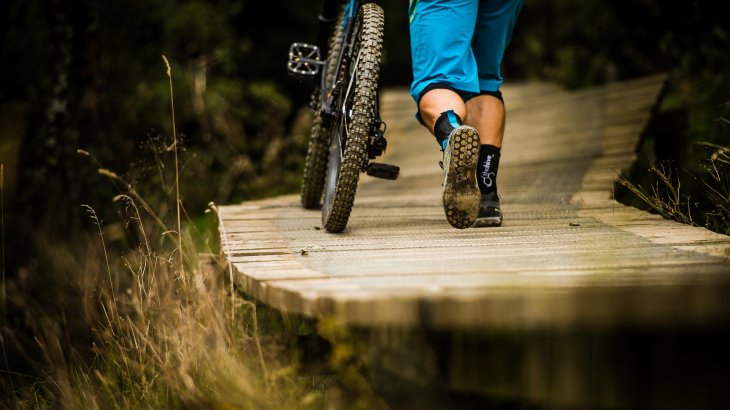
488 177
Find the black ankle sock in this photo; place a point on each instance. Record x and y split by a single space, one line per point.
445 123
487 168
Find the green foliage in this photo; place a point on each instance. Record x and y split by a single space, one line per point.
24 55
229 116
582 43
236 105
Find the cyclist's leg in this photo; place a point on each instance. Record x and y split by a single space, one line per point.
495 22
493 33
443 62
486 112
437 101
444 71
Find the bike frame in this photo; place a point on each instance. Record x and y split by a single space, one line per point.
329 92
327 97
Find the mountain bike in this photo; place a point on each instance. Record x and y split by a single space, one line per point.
347 131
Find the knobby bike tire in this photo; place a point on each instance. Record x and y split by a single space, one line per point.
370 40
315 163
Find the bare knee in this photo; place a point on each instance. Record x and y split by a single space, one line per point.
437 101
483 107
486 113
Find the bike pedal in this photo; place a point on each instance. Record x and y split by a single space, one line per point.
385 171
304 60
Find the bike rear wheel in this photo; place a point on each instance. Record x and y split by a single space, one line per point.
315 164
350 132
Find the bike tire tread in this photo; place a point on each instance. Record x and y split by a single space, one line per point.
315 163
363 109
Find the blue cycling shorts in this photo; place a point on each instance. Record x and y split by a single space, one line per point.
459 44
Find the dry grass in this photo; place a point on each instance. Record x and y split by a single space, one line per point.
668 199
664 197
163 335
2 231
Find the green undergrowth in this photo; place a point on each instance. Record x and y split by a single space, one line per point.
695 191
680 171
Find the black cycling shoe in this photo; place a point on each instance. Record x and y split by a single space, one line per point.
490 213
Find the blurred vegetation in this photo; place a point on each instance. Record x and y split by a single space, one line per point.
96 311
88 75
583 43
90 78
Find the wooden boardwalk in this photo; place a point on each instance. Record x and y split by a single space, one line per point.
566 254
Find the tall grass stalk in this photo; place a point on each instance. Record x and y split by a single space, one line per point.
2 229
133 192
667 198
95 219
125 186
172 343
2 240
177 167
251 305
137 218
226 248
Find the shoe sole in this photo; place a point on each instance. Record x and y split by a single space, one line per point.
461 193
487 222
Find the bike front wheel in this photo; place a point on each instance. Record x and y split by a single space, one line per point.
315 163
356 105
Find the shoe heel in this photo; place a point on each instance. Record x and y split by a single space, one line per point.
461 195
